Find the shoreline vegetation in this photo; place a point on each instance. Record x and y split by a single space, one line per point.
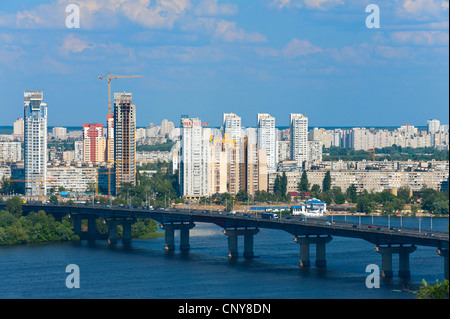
40 227
160 191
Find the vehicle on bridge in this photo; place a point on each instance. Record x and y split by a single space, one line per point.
269 216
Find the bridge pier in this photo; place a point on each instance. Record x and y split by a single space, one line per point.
126 235
92 228
386 260
76 224
170 235
320 249
112 230
444 253
233 241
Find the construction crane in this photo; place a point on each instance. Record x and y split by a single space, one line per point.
372 150
109 78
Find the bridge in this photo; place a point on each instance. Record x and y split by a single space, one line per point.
306 232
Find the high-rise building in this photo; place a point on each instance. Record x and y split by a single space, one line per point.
254 171
267 139
315 151
94 143
433 125
195 157
124 139
166 128
232 127
299 138
18 129
59 133
109 156
219 164
35 143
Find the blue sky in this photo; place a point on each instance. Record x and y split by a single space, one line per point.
207 57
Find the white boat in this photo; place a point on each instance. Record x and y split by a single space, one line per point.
312 213
312 209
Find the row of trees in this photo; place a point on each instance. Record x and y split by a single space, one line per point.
392 153
156 190
16 229
33 228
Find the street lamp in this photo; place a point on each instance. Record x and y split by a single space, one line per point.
420 220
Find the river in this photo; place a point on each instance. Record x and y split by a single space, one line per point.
146 271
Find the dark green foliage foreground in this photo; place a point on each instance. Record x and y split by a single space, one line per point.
433 291
16 229
33 228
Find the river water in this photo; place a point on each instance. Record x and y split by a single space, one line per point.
145 270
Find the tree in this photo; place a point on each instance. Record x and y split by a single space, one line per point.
339 199
315 189
53 199
283 186
437 291
403 193
242 196
352 194
365 205
14 206
326 186
303 186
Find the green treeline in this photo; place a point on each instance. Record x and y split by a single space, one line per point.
33 228
391 153
16 229
163 147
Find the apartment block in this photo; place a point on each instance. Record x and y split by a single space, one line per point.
369 180
299 138
255 168
267 139
194 160
10 151
94 143
73 178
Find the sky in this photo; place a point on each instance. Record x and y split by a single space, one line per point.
208 57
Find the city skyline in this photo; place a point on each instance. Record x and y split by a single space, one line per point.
317 58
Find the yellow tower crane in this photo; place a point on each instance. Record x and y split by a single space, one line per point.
109 78
372 150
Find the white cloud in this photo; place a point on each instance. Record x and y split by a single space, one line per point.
100 14
73 44
424 9
213 8
311 4
298 48
430 38
228 31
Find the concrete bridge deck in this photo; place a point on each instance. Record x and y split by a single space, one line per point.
305 231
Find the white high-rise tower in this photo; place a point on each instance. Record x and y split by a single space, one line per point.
35 143
299 138
195 158
267 139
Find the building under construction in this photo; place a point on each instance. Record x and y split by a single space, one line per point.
124 139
